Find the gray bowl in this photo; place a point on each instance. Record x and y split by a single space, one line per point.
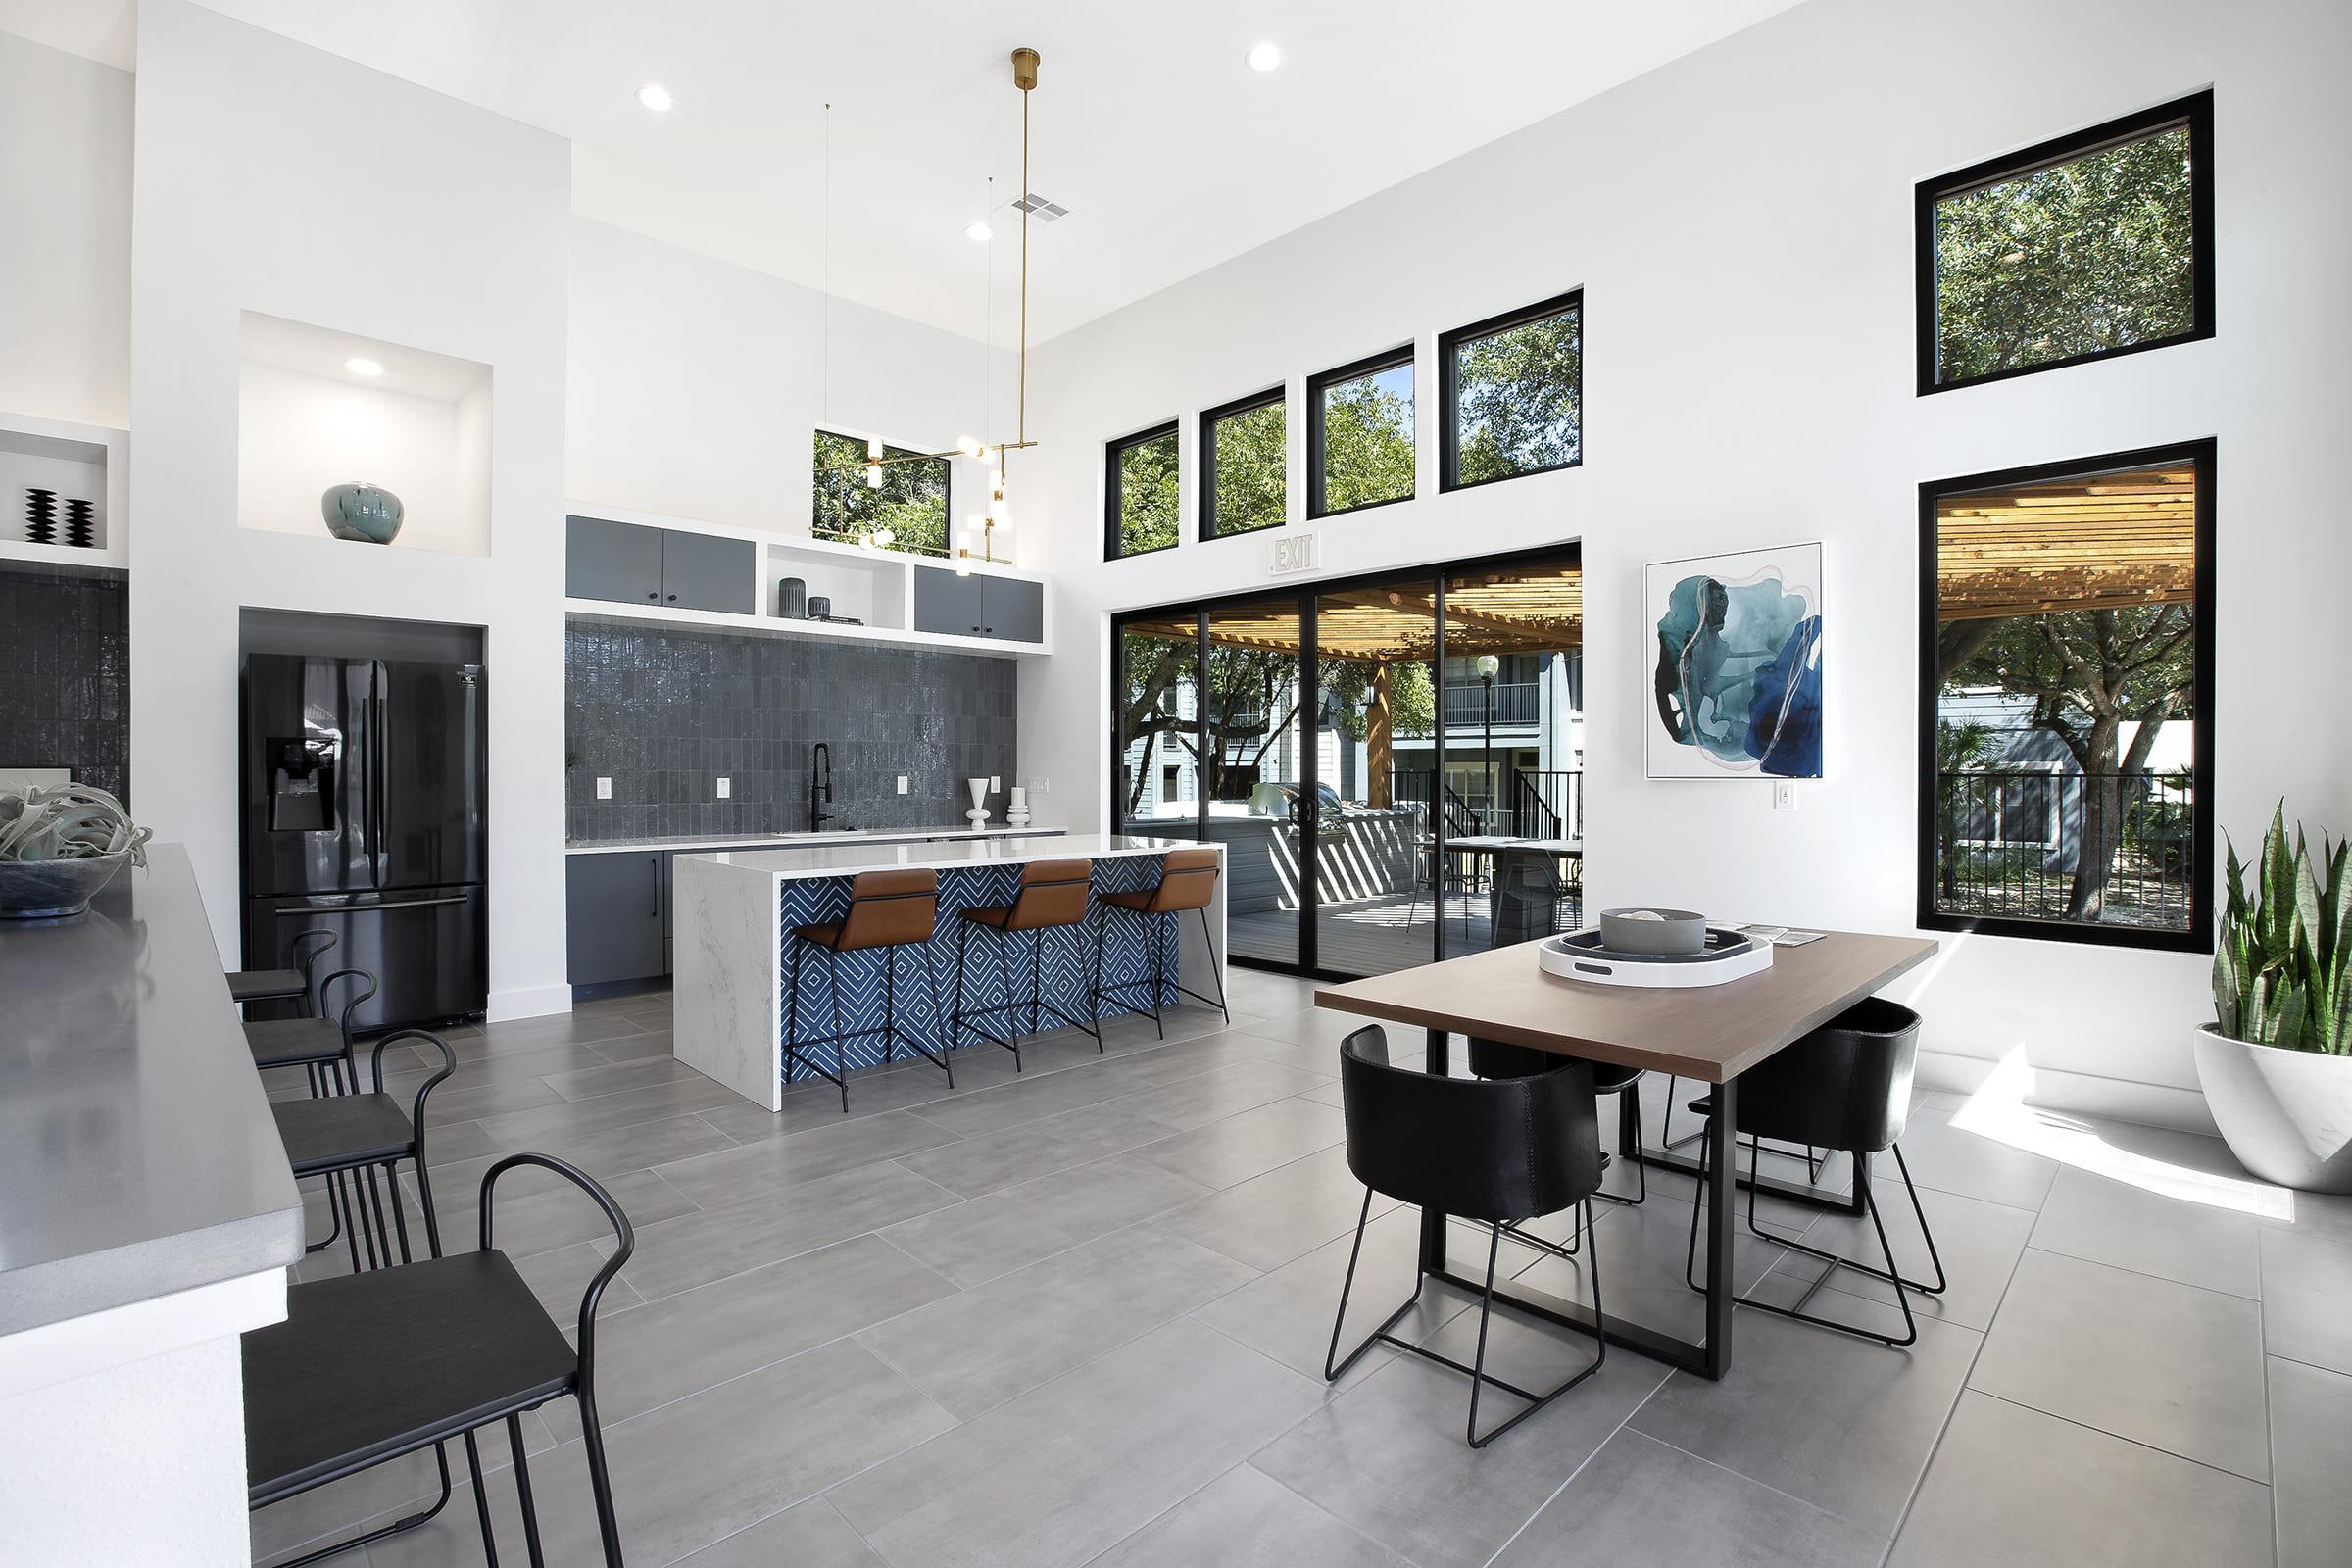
44 890
1672 932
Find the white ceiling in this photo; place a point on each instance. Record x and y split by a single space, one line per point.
1171 152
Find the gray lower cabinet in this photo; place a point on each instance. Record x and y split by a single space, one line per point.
1006 609
617 560
700 571
617 907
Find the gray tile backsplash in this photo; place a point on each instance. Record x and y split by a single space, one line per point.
664 713
65 640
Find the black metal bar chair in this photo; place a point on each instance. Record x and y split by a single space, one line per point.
349 1137
1187 881
285 984
889 911
370 1367
322 1047
1846 1085
1498 1058
1494 1149
1054 895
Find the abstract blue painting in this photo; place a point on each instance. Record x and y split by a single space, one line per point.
1735 659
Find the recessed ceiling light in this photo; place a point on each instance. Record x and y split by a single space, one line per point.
1265 57
978 231
655 96
362 367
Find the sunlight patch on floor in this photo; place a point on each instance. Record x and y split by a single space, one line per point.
1998 1111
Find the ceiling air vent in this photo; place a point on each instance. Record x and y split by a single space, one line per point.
1043 210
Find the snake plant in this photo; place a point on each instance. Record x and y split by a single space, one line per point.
68 822
2282 966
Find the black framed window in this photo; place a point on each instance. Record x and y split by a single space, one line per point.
2090 245
1242 455
908 510
1512 388
2065 725
1360 434
1140 496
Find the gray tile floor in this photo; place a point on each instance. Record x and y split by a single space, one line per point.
1079 1316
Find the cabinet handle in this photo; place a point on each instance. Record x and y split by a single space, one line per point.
654 866
673 598
655 595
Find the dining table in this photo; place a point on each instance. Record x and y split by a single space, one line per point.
1708 1034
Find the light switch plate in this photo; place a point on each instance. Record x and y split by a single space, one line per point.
726 788
1784 795
604 789
1039 786
901 783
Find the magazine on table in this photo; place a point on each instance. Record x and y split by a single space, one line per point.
1779 936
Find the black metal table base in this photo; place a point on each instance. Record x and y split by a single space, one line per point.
1827 1198
1710 1357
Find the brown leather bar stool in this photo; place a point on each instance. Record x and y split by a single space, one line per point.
890 911
1054 894
1188 880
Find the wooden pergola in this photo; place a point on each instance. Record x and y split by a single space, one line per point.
1515 611
2110 541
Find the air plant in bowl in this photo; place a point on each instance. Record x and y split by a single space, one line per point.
59 846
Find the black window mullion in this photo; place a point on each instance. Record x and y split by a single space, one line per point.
1436 774
1310 786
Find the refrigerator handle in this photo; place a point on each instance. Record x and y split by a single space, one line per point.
379 739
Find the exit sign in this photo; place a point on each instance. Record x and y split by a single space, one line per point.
1297 552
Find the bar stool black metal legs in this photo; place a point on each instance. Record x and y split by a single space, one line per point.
1188 880
1053 895
890 911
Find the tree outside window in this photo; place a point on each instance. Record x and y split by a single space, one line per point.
911 505
1515 397
1144 495
1365 430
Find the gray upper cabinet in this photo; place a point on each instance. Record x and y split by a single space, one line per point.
1006 609
702 572
638 565
1012 609
947 603
612 561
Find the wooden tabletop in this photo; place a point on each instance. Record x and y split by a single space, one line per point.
1709 1033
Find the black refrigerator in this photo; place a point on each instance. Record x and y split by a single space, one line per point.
364 796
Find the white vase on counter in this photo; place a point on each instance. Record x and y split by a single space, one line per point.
978 814
1016 807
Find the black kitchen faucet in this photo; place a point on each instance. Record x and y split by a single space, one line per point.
820 787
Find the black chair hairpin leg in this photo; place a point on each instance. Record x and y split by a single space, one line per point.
1209 945
522 1492
946 1042
481 1501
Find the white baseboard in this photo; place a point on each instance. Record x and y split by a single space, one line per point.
2122 1099
530 1002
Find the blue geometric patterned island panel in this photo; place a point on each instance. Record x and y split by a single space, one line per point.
991 960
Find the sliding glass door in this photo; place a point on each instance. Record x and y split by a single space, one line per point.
1341 741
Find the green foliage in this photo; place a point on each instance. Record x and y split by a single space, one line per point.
1250 477
912 503
2088 255
1520 393
1147 495
1368 439
1412 696
2283 966
68 822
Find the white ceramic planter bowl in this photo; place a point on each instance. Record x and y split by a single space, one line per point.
2285 1114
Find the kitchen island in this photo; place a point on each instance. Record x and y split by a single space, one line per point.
736 912
147 1219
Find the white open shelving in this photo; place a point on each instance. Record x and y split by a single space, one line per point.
79 461
876 587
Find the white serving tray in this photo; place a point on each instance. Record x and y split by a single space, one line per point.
1578 955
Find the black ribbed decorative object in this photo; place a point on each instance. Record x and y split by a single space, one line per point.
40 516
82 523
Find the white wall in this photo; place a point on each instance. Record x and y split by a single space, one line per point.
65 235
299 434
275 178
1741 221
694 384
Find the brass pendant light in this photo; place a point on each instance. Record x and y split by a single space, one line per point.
992 454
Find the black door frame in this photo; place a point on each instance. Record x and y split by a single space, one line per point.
1439 574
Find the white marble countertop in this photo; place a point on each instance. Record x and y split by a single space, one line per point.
685 842
848 860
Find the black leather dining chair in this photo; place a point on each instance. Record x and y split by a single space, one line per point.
1500 1150
367 1368
1500 1058
1846 1085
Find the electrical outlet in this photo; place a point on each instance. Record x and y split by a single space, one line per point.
604 789
901 783
1039 786
726 788
1784 795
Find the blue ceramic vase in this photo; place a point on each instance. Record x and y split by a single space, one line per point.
361 512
